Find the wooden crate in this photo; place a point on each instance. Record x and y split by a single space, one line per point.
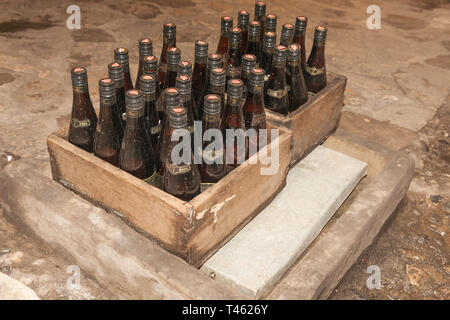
192 230
316 120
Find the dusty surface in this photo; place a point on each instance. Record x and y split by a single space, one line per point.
398 87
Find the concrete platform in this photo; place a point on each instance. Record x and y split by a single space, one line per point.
255 258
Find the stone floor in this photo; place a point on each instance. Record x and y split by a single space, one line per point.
397 93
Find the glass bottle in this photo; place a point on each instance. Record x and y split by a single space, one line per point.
145 49
271 24
270 40
136 154
214 61
151 118
169 41
115 73
234 120
184 68
199 73
83 120
260 16
287 34
297 92
184 86
225 27
276 98
248 63
301 23
106 142
234 55
151 68
253 46
315 69
181 178
121 56
173 58
216 85
243 21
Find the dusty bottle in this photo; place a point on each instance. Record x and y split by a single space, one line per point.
299 37
184 87
315 69
234 120
136 154
172 99
270 39
115 73
253 46
248 63
243 21
181 176
214 61
151 68
184 68
225 27
173 58
169 41
216 85
260 16
145 49
234 55
271 24
254 113
199 73
287 34
121 56
297 92
276 98
151 118
106 142
84 120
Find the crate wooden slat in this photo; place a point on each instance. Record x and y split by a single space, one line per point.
316 120
192 230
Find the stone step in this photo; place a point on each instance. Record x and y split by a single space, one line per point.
263 250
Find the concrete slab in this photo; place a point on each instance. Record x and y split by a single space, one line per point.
11 289
265 248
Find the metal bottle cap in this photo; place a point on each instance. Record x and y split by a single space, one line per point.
115 71
254 29
79 76
170 30
257 77
260 8
201 48
280 53
134 100
320 33
121 56
214 61
301 23
248 62
218 76
178 117
235 88
226 23
183 84
150 64
211 104
271 23
184 68
173 55
171 97
145 47
147 84
294 52
243 19
235 36
107 88
270 40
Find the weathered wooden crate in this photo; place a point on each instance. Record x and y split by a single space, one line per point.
316 120
192 230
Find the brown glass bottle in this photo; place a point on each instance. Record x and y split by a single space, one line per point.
184 68
213 166
270 39
253 44
243 21
234 55
172 99
225 27
234 120
181 179
254 112
83 120
199 73
301 23
169 41
115 73
248 63
173 58
297 92
315 69
145 49
121 56
214 61
184 86
287 34
260 16
136 154
151 68
216 85
151 119
276 98
106 142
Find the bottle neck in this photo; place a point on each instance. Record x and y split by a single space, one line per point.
186 97
200 59
149 97
256 89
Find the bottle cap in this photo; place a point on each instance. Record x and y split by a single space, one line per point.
79 76
211 104
254 29
260 8
235 88
218 76
235 36
248 62
294 52
150 64
270 40
178 117
287 32
214 61
300 23
170 30
184 68
226 23
279 53
121 56
201 48
183 84
173 56
171 97
320 33
147 84
243 19
257 77
107 88
271 23
115 71
134 100
145 47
